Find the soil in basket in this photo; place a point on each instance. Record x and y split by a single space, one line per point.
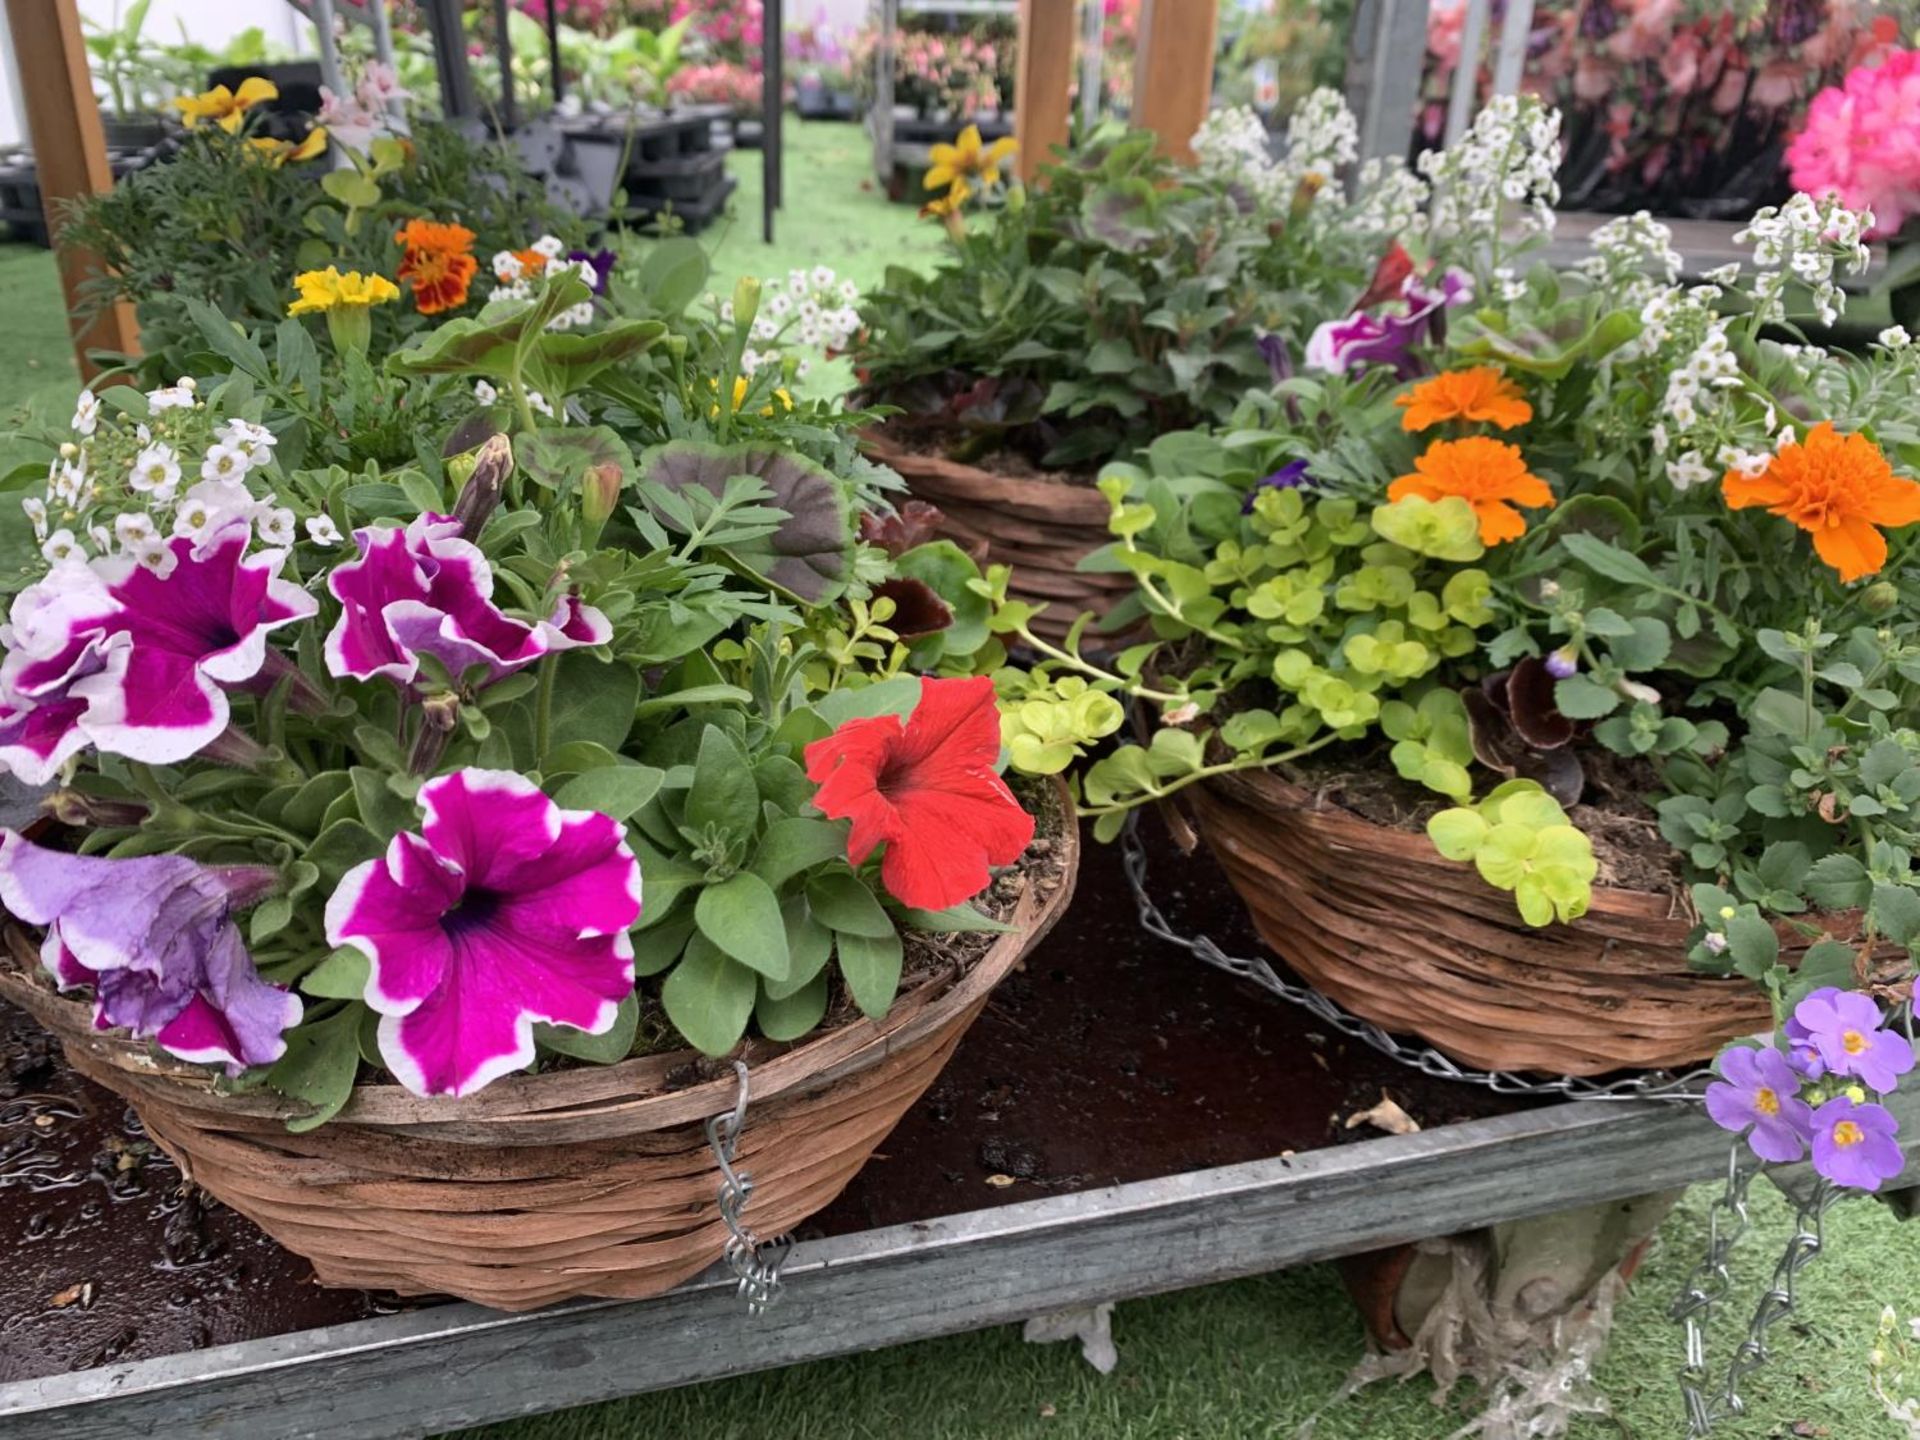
1108 1057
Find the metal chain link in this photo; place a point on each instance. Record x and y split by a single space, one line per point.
1655 1085
755 1262
1711 1284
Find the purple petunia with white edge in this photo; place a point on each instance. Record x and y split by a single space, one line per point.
504 910
155 938
425 590
119 656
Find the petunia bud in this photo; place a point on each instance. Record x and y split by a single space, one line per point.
746 303
1880 597
599 493
439 713
478 498
1563 663
93 812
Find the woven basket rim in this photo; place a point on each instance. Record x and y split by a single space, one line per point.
1068 505
630 1097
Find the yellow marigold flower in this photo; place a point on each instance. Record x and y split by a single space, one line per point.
1479 394
1839 489
278 152
225 108
949 203
326 290
1490 475
968 159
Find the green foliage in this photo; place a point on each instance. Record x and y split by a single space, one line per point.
1520 840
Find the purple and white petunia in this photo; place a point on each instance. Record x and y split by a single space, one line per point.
1372 337
503 910
1844 1030
426 591
1758 1094
1856 1145
131 660
155 938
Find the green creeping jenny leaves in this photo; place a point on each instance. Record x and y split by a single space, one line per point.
1520 840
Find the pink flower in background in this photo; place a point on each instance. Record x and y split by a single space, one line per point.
504 910
155 938
1861 142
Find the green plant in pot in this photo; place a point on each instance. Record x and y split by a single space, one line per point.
528 790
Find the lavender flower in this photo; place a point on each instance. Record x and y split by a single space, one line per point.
1854 1144
1844 1029
1757 1095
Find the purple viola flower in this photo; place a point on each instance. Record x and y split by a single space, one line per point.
1290 476
1273 349
134 659
1844 1028
1758 1095
1855 1145
154 936
602 262
426 591
503 910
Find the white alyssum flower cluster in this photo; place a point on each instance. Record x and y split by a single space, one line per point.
1893 1366
1500 174
815 310
515 279
1323 139
1805 240
126 486
1231 146
1633 258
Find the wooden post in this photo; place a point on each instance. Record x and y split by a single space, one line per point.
70 151
1041 104
1173 70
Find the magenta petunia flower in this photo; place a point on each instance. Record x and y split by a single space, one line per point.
155 938
503 910
1376 337
1844 1029
1758 1095
1856 1145
425 591
133 661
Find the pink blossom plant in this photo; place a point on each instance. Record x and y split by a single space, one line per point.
1861 142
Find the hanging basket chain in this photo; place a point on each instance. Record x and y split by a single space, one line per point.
755 1262
1657 1085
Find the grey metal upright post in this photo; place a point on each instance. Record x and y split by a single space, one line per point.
1466 74
883 92
382 31
1093 43
1383 72
553 52
329 51
1516 31
503 49
772 86
450 58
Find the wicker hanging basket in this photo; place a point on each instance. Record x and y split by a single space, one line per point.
593 1181
1375 919
1042 528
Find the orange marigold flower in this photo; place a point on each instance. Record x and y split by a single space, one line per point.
1479 394
1839 489
438 264
1490 475
532 262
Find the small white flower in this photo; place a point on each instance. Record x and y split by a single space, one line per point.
275 527
1688 470
779 304
322 531
849 291
1634 690
134 528
551 246
506 266
797 282
802 369
1895 337
61 544
171 397
484 393
224 462
823 277
86 413
153 468
187 383
582 313
101 536
256 442
36 509
539 402
155 555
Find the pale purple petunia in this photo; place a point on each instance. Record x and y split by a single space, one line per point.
426 591
154 937
1844 1029
1856 1145
118 656
1758 1094
504 910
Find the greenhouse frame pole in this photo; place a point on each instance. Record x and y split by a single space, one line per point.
450 59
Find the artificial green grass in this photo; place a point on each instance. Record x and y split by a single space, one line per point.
1250 1359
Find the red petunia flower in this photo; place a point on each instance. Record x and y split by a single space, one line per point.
926 787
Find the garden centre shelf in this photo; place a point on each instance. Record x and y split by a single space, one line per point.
1121 1121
